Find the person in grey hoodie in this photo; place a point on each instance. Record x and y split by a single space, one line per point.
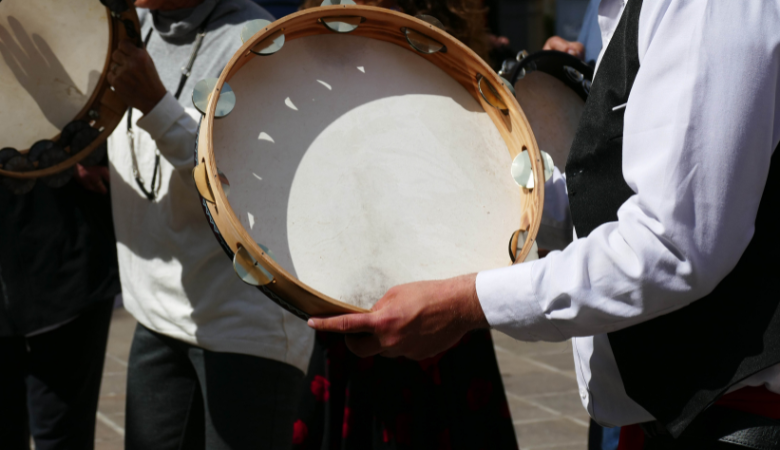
214 364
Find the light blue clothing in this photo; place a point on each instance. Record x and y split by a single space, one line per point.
590 34
568 17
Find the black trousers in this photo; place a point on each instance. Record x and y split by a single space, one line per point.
180 396
50 383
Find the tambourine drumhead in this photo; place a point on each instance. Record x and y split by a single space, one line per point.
362 166
553 110
356 163
53 55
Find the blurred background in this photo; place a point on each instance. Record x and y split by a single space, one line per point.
526 24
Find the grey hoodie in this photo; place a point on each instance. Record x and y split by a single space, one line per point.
174 33
176 279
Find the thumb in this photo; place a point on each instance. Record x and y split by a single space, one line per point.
384 301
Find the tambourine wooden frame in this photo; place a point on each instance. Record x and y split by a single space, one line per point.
459 62
104 101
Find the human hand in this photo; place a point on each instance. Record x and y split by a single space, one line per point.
415 320
134 77
497 41
92 178
562 45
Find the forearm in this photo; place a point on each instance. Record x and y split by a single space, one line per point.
698 175
174 132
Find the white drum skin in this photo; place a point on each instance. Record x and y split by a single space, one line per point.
365 182
553 110
53 55
362 166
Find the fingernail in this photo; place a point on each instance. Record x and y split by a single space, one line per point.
573 52
310 323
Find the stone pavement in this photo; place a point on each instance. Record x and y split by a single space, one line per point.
110 429
539 380
542 391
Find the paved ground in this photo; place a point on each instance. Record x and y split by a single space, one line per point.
543 397
110 431
539 380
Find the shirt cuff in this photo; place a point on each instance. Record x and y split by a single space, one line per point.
510 304
162 117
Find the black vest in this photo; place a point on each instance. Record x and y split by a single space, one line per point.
678 364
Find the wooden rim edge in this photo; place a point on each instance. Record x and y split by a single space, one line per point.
516 120
98 101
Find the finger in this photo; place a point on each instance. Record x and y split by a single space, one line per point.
347 323
118 57
387 298
88 182
576 49
127 47
117 73
382 302
559 44
96 185
100 187
363 345
104 173
554 43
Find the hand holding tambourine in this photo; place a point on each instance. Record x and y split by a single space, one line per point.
134 77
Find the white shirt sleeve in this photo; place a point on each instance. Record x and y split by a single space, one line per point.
174 131
701 124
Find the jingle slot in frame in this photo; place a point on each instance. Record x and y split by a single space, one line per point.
491 95
512 126
267 46
341 24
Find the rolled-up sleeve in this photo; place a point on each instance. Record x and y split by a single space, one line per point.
173 130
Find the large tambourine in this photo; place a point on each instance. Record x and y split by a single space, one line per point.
56 107
551 88
347 149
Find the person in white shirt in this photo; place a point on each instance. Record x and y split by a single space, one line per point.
668 292
214 363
